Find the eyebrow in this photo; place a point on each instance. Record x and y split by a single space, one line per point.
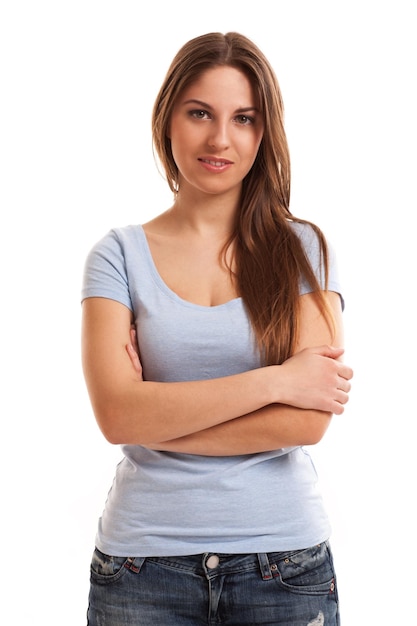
205 105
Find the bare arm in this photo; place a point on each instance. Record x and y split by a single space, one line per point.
270 428
142 412
274 426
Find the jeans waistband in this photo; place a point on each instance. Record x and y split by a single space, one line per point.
210 563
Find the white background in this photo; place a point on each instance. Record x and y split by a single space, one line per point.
77 82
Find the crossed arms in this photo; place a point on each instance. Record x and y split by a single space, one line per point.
263 409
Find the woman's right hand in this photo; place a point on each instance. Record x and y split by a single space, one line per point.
314 378
132 350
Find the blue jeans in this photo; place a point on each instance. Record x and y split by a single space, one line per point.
295 588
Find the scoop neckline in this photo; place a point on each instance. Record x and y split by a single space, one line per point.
172 294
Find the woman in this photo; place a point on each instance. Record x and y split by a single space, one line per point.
212 345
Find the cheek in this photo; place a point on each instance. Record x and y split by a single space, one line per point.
178 148
256 144
185 140
259 138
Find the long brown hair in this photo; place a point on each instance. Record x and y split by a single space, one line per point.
269 258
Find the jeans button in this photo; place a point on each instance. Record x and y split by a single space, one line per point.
212 561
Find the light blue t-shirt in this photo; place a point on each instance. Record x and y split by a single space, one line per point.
167 504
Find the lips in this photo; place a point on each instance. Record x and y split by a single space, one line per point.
216 162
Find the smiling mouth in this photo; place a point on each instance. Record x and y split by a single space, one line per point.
215 163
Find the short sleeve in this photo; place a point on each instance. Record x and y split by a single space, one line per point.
105 274
311 246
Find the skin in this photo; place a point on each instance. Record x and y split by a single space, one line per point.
215 132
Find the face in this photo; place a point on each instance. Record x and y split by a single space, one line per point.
215 131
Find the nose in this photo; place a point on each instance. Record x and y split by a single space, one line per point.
219 135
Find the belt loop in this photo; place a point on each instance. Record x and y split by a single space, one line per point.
135 564
264 566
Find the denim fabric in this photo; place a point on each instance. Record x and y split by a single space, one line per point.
295 588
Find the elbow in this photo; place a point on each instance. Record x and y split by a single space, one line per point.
316 427
117 433
114 425
109 427
112 435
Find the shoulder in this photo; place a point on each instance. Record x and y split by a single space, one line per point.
116 243
315 243
120 237
317 248
308 234
106 265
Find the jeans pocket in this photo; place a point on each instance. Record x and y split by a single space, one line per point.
106 569
307 571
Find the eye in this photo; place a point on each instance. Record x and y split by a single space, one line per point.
199 114
245 120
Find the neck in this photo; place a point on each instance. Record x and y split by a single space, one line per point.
206 213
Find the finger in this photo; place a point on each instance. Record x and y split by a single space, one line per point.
332 352
338 408
133 335
134 357
340 400
345 372
344 385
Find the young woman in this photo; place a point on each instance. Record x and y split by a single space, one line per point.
212 345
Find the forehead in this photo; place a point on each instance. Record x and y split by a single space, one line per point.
223 84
